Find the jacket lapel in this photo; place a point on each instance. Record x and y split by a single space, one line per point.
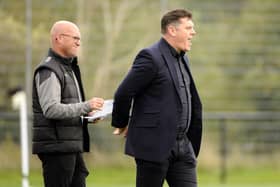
170 64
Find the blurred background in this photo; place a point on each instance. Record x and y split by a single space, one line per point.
234 60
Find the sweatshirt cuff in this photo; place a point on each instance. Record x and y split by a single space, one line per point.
87 106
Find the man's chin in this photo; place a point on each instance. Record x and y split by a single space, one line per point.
73 55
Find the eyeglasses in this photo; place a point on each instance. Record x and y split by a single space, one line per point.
76 38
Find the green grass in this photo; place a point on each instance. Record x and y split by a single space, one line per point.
125 177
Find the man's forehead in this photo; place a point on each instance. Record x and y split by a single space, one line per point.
71 30
186 21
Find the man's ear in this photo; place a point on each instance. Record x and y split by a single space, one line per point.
58 38
171 30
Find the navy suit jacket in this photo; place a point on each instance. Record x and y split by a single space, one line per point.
148 101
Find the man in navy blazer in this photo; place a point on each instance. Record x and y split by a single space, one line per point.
158 109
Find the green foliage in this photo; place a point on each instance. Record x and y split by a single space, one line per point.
234 57
11 54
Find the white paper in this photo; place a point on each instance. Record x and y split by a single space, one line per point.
105 112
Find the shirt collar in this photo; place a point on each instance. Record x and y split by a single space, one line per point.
173 51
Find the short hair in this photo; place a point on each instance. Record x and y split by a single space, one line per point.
173 17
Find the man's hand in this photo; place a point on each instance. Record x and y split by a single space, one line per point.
121 131
96 103
97 120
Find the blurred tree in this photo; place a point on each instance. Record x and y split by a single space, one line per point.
260 53
12 42
234 56
113 38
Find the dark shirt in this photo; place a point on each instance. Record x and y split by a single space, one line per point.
183 147
184 89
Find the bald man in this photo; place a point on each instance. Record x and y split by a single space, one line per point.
60 132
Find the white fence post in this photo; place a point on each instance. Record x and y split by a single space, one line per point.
24 142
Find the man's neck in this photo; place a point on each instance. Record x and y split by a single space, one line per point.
59 54
171 43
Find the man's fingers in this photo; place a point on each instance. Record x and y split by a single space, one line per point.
97 120
117 131
125 132
96 103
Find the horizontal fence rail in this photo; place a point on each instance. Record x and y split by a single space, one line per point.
251 134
